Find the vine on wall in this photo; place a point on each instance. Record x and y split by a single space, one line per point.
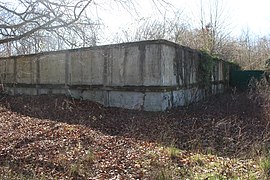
206 65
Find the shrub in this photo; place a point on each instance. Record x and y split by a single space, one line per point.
260 94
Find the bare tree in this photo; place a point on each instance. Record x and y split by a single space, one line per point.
151 28
23 18
30 26
215 27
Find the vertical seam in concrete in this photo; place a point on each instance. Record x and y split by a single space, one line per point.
105 78
81 63
105 71
184 55
31 70
15 74
38 75
125 67
111 57
67 70
196 66
163 65
15 71
188 62
160 64
91 59
177 65
183 67
142 62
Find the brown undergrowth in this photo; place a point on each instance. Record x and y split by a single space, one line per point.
49 137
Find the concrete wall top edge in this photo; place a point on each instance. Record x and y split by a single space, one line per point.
109 46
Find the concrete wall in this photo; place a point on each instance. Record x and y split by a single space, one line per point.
148 75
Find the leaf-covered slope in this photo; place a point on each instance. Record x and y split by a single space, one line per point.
56 137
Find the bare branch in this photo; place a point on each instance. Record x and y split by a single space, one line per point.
39 15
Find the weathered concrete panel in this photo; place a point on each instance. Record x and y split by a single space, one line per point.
58 91
153 101
2 71
97 66
129 100
152 66
182 69
118 58
10 90
133 66
167 101
86 67
220 71
188 65
96 96
179 98
168 65
10 71
26 70
196 68
76 65
52 68
187 96
44 91
74 93
157 101
26 91
7 71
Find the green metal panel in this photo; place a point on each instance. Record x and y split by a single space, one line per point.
241 79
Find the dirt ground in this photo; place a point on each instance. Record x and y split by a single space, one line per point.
58 137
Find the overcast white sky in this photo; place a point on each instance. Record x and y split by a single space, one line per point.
240 14
254 14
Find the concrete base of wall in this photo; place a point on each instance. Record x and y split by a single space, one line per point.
148 101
